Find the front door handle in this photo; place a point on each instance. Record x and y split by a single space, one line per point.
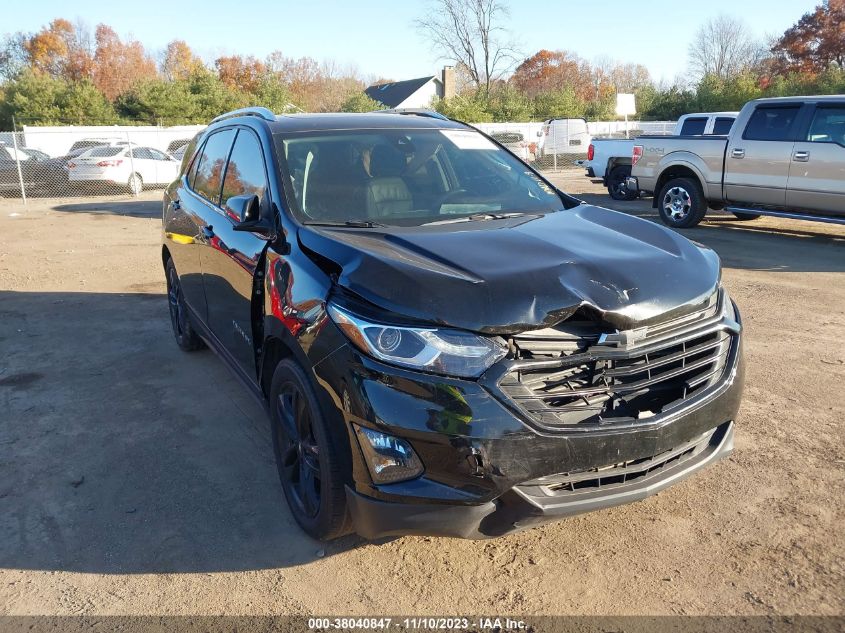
801 156
208 232
737 153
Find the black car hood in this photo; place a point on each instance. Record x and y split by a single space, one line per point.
510 275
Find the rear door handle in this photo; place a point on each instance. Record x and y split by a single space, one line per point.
737 153
801 157
208 232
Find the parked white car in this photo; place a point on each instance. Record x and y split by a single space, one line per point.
563 136
128 165
610 158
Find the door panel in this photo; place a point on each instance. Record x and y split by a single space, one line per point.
197 198
230 262
817 172
757 161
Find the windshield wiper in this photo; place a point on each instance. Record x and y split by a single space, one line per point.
358 224
476 217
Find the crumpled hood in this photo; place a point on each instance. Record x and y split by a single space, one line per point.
507 276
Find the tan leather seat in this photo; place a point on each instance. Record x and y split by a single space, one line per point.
387 193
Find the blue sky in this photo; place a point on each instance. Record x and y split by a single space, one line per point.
378 38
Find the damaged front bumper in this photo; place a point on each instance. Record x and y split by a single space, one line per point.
528 506
489 471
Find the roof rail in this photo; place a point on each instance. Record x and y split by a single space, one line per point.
416 112
258 111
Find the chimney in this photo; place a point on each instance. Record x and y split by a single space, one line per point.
448 79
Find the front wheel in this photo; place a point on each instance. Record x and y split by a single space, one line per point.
681 203
617 185
307 455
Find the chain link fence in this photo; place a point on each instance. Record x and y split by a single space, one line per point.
65 161
115 161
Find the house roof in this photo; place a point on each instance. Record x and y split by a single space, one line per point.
393 94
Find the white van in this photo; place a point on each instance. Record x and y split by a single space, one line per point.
563 136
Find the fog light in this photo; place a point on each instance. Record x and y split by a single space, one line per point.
389 458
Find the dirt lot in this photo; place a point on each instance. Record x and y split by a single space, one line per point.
137 479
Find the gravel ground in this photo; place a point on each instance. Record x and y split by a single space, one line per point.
135 479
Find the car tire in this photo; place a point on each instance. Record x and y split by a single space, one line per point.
681 203
186 337
135 184
745 217
616 184
308 456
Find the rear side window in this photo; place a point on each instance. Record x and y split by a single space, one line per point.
771 123
722 125
828 125
694 126
208 178
245 173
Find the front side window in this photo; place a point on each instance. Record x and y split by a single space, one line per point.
407 177
771 123
245 173
828 125
208 178
694 126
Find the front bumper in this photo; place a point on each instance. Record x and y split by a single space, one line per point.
522 508
489 472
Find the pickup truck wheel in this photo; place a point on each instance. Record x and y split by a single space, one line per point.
186 338
307 456
745 216
616 184
681 203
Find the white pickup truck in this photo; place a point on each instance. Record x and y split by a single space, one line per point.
610 158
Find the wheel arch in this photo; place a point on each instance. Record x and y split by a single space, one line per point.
678 170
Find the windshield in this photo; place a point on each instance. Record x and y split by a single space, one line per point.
408 177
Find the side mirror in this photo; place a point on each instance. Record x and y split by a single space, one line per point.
244 208
248 209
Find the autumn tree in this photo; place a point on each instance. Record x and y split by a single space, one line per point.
118 65
60 49
724 47
815 42
240 73
470 33
548 71
179 61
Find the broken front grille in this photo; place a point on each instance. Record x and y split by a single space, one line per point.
571 376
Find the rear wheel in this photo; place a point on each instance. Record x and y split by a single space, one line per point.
681 203
745 216
617 185
186 338
135 184
307 456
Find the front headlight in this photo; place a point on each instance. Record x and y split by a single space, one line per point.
438 350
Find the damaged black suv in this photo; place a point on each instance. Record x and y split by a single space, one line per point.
445 343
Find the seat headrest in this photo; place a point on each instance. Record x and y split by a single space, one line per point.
386 162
